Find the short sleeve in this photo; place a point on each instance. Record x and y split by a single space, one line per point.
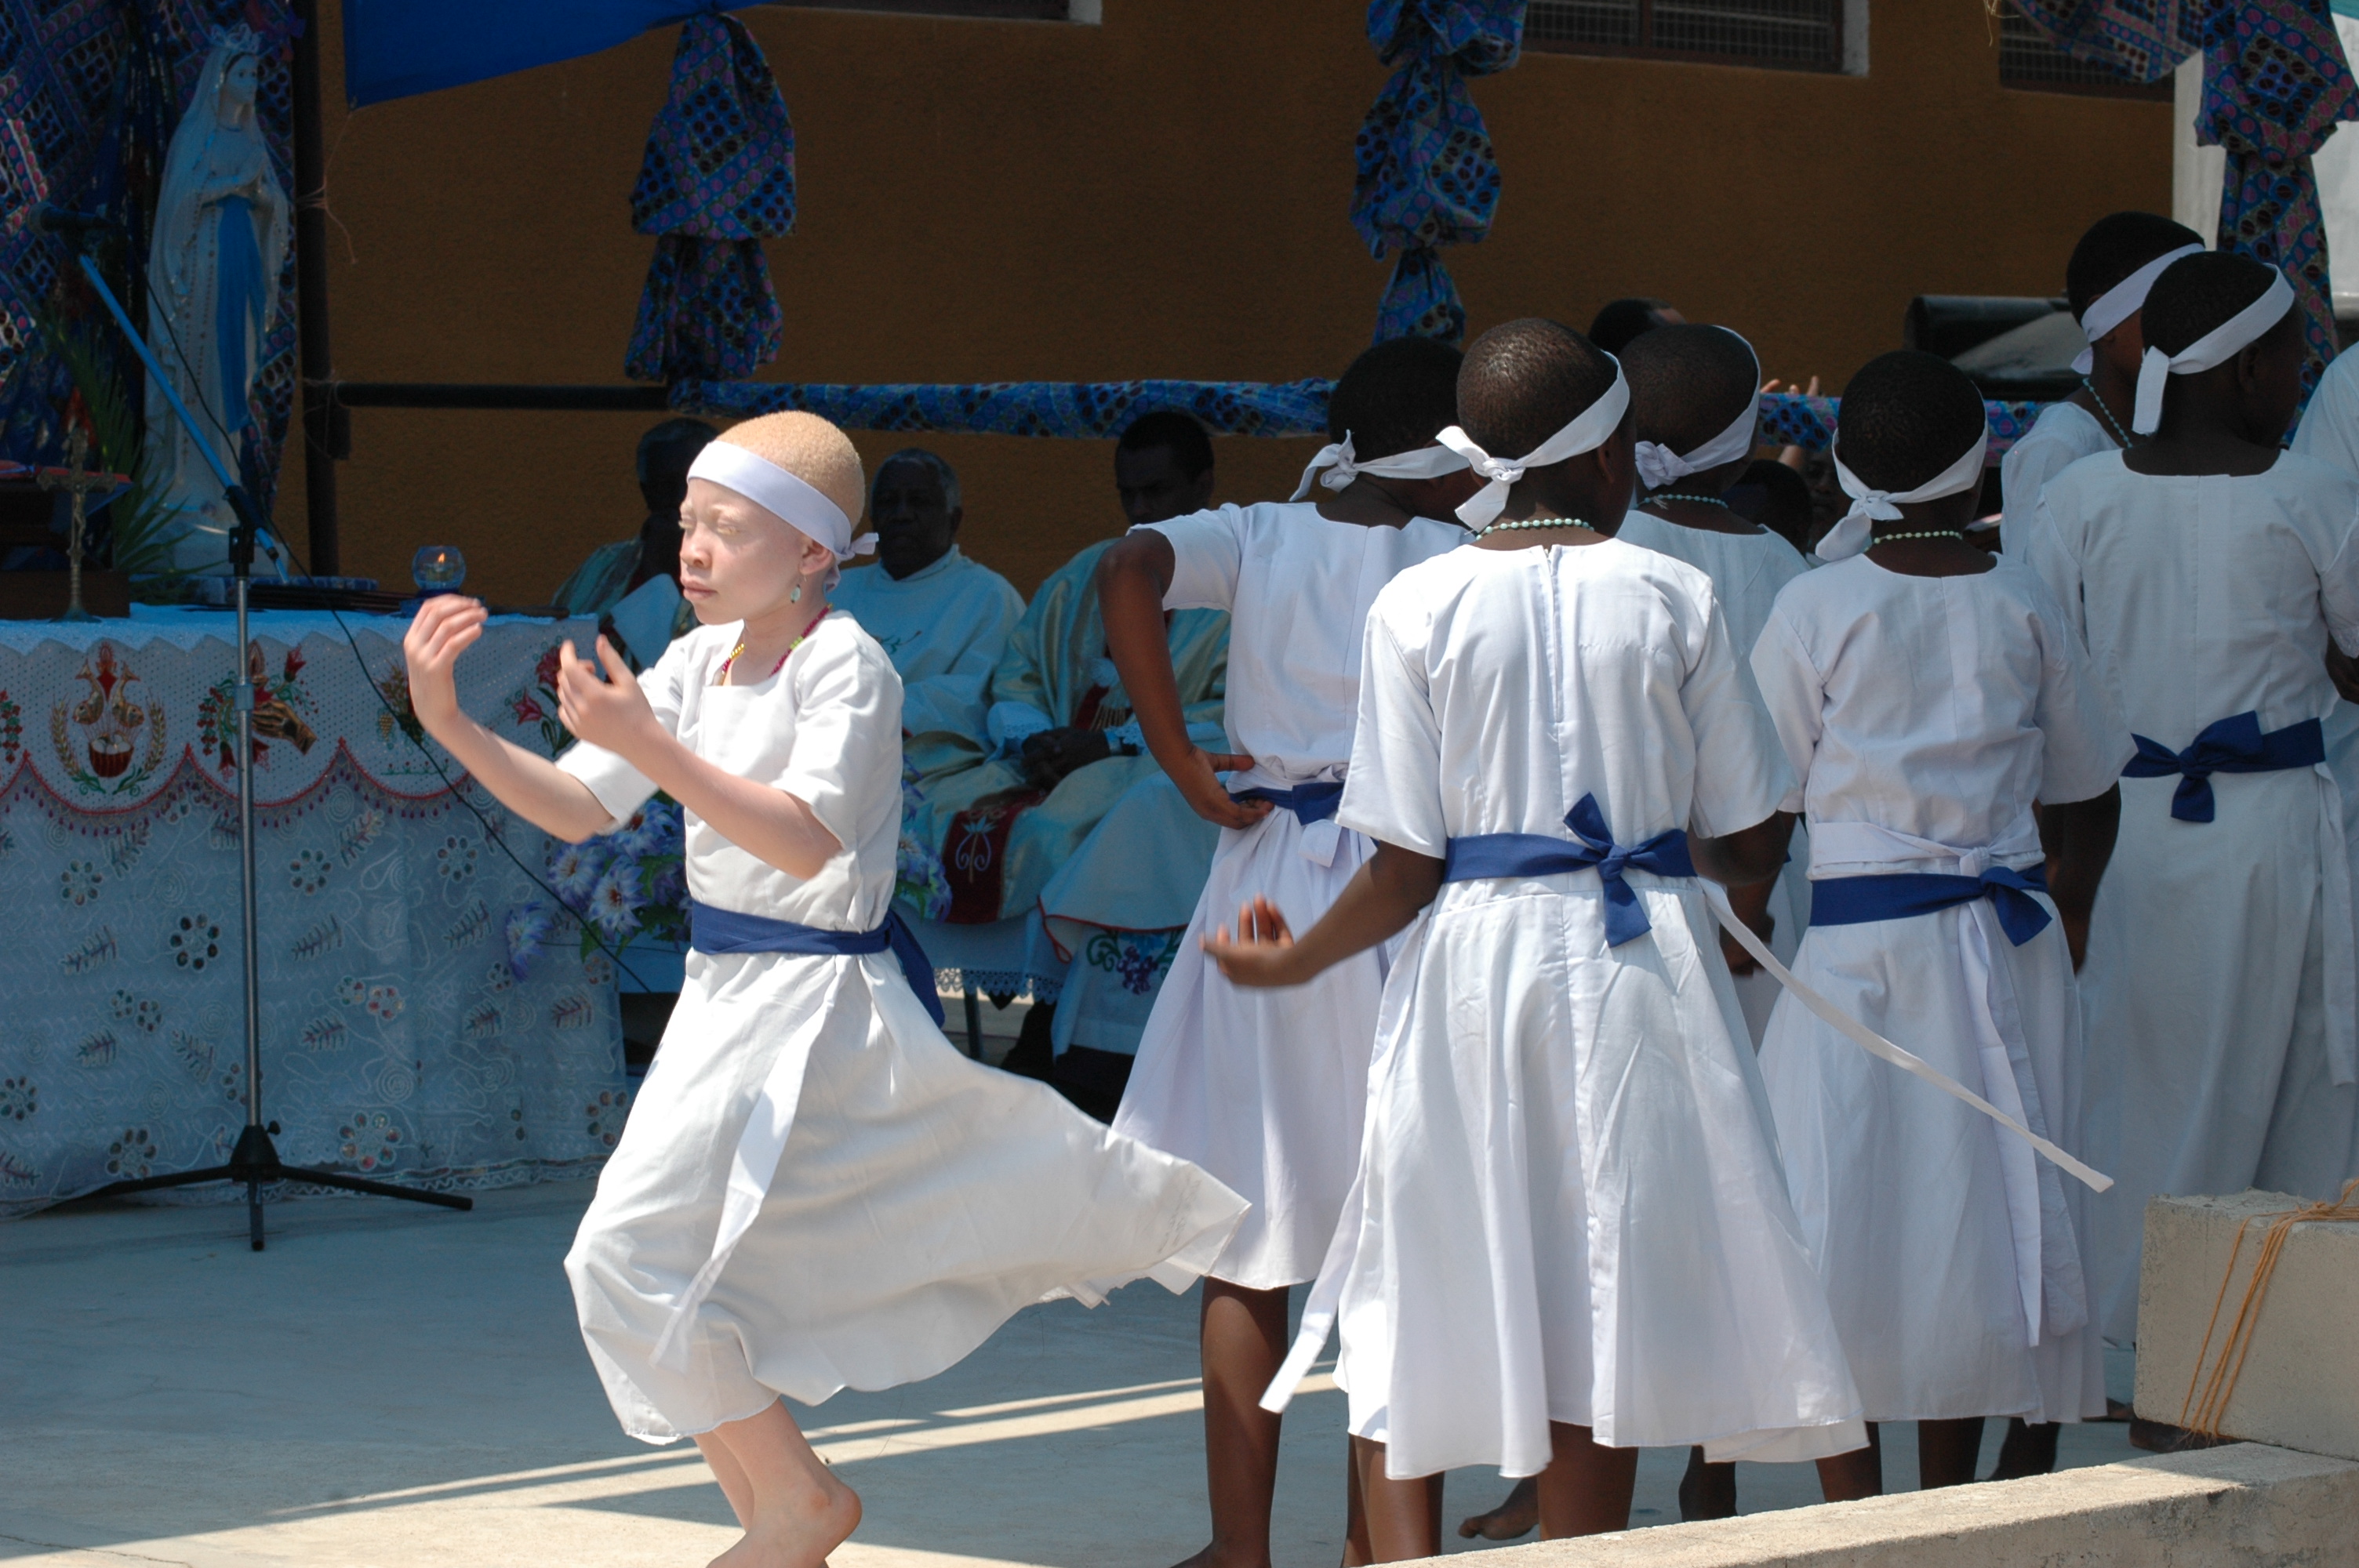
1392 792
2053 562
1741 777
2338 579
2084 744
2330 426
620 788
847 735
1208 550
1794 694
2024 472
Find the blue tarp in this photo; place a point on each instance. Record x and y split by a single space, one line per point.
394 48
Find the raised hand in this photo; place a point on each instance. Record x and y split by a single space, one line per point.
445 626
609 710
1196 776
1260 954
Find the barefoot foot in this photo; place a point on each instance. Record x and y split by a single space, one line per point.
800 1532
1517 1516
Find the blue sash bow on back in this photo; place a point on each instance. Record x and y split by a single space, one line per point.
1310 802
1856 901
2233 745
1537 855
711 930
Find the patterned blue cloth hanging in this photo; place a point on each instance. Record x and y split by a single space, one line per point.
719 178
1427 175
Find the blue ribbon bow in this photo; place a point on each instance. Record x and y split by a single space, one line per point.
1856 901
2233 745
1537 855
711 930
1310 802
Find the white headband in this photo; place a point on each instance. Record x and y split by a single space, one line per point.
2122 301
1343 467
1590 429
1870 506
794 501
1659 466
2217 347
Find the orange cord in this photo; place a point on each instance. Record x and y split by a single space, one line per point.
2203 1416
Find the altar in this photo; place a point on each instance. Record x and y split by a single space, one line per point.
430 1014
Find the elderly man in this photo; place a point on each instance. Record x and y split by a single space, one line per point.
942 617
1089 914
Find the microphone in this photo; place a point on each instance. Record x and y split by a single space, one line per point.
56 220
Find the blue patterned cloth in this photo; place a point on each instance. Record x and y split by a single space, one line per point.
1427 175
719 178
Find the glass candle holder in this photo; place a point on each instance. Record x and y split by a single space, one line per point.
438 569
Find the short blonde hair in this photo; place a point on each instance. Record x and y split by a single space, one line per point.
812 450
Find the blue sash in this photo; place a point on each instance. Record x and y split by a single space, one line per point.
1855 901
1310 802
2233 745
1537 855
711 930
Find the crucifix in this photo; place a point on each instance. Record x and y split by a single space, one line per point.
81 481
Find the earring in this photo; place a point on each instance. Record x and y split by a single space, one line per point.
796 596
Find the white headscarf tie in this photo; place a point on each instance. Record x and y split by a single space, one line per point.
2119 303
1870 506
1658 466
1343 467
1589 430
2214 348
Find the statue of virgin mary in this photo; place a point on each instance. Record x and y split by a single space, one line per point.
212 291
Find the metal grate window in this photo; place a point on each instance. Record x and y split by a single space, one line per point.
2028 61
1796 35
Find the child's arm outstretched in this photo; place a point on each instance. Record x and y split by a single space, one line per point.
533 787
1132 576
610 712
1383 896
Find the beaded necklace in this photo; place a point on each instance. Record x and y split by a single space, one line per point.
2111 424
722 678
1698 500
1533 522
1958 534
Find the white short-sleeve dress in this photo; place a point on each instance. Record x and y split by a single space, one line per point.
816 1190
1569 1207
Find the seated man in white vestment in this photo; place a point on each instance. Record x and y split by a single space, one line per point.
942 617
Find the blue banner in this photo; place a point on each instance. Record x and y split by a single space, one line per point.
395 48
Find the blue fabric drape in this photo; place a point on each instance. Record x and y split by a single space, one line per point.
1310 803
395 48
1427 175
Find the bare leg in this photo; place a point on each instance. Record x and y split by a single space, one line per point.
1847 1477
1947 1452
1404 1517
1586 1488
801 1511
2029 1450
731 1477
1707 1490
1514 1515
1357 1551
1243 1340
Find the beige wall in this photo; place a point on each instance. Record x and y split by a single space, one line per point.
1162 195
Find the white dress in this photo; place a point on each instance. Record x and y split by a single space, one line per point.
2062 435
1925 716
1266 1089
944 626
1570 1206
2219 986
1746 570
2329 430
815 1189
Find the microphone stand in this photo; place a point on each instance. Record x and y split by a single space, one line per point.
255 1159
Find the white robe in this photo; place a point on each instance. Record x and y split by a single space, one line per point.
944 626
1570 1206
1925 715
1746 570
816 1190
2219 986
2329 430
2062 435
1266 1089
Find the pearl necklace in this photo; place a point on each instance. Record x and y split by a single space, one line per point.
1698 500
1533 522
2111 424
1957 533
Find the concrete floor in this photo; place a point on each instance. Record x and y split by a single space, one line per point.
391 1386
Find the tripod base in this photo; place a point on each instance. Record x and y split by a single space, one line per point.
256 1160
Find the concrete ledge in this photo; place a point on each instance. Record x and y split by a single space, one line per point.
2298 1384
2244 1506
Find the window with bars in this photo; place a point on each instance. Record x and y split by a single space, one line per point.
1793 35
2028 61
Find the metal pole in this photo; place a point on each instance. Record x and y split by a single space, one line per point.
318 364
242 566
